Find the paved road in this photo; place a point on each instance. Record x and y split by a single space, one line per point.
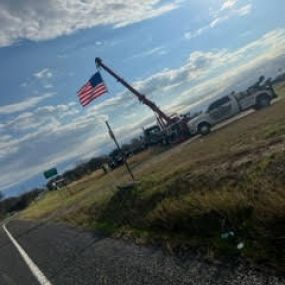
13 270
68 256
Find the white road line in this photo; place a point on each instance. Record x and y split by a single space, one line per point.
33 267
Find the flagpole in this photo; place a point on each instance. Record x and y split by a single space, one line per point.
112 135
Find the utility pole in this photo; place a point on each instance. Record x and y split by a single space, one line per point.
112 135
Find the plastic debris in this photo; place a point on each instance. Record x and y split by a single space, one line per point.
227 235
224 235
232 233
240 246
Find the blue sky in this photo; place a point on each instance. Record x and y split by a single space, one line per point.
179 53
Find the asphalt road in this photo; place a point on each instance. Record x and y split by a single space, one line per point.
13 269
67 256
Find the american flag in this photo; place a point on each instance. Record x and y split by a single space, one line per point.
94 88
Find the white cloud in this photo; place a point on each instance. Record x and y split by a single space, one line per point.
40 118
154 51
44 77
244 10
44 74
227 12
197 66
228 4
194 34
42 20
23 105
48 86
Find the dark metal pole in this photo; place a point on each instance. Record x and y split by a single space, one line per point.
112 135
140 96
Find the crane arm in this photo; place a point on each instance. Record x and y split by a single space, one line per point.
142 98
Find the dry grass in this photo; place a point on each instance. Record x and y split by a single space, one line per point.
232 180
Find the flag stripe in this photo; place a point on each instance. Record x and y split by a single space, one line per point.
91 90
97 89
92 95
82 88
86 89
97 94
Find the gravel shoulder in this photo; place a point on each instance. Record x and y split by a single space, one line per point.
68 256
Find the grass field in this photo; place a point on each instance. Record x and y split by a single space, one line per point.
230 181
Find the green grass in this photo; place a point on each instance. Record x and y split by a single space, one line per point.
232 180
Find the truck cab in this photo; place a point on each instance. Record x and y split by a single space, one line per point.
218 111
153 135
222 109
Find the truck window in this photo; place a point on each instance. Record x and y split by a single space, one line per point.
218 103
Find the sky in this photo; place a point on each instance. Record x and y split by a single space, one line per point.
179 53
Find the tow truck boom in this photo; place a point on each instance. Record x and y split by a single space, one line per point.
142 98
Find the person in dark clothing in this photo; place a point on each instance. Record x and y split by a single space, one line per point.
256 85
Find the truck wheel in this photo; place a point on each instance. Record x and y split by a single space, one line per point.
204 129
263 102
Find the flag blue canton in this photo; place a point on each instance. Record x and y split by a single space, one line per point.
96 79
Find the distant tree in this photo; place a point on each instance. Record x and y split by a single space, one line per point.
96 162
18 203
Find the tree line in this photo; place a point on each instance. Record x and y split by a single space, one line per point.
15 204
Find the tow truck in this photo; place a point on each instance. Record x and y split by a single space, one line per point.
173 129
255 97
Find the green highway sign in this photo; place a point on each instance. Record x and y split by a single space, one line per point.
50 173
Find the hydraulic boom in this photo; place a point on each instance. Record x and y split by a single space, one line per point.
142 98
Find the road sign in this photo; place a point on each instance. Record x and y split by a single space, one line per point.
50 173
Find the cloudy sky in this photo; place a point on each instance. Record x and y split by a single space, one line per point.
179 53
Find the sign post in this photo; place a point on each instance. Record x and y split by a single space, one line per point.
112 135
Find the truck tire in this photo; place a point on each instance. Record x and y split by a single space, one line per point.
263 101
204 129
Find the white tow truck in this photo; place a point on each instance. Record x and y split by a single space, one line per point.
229 106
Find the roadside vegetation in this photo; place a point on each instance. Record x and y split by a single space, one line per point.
10 205
222 195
